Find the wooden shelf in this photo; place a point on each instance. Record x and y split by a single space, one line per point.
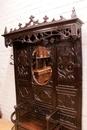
43 70
45 57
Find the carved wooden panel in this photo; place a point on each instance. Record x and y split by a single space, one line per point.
68 85
43 95
66 99
41 110
22 67
66 66
67 118
22 61
23 93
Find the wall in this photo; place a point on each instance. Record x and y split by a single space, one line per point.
14 11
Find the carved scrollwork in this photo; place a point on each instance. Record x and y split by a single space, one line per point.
71 31
42 96
46 37
8 42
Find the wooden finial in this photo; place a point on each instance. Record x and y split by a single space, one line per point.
20 25
31 18
5 31
73 15
45 18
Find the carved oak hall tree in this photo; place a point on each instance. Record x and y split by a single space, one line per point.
48 74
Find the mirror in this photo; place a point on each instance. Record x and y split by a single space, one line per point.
41 69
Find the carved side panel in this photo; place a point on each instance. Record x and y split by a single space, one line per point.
66 66
68 85
67 118
66 99
22 64
22 61
23 93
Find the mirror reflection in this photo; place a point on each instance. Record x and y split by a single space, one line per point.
41 69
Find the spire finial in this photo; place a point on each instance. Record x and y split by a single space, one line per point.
5 31
73 15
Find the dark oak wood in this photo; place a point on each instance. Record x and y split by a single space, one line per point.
48 74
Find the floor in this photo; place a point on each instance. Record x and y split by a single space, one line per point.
5 125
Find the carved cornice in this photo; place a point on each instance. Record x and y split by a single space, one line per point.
34 32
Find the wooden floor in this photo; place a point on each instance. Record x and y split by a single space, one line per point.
5 125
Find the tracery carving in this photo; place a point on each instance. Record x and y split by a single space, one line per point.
48 37
43 96
66 66
72 32
24 92
22 64
66 100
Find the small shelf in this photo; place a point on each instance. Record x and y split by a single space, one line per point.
45 57
41 69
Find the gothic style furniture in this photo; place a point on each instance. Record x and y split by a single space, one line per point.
48 74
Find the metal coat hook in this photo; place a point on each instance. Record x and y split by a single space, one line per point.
11 63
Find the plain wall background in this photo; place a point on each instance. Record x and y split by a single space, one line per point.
13 12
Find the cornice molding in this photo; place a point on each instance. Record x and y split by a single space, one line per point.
34 32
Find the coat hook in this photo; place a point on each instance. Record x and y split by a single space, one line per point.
11 59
